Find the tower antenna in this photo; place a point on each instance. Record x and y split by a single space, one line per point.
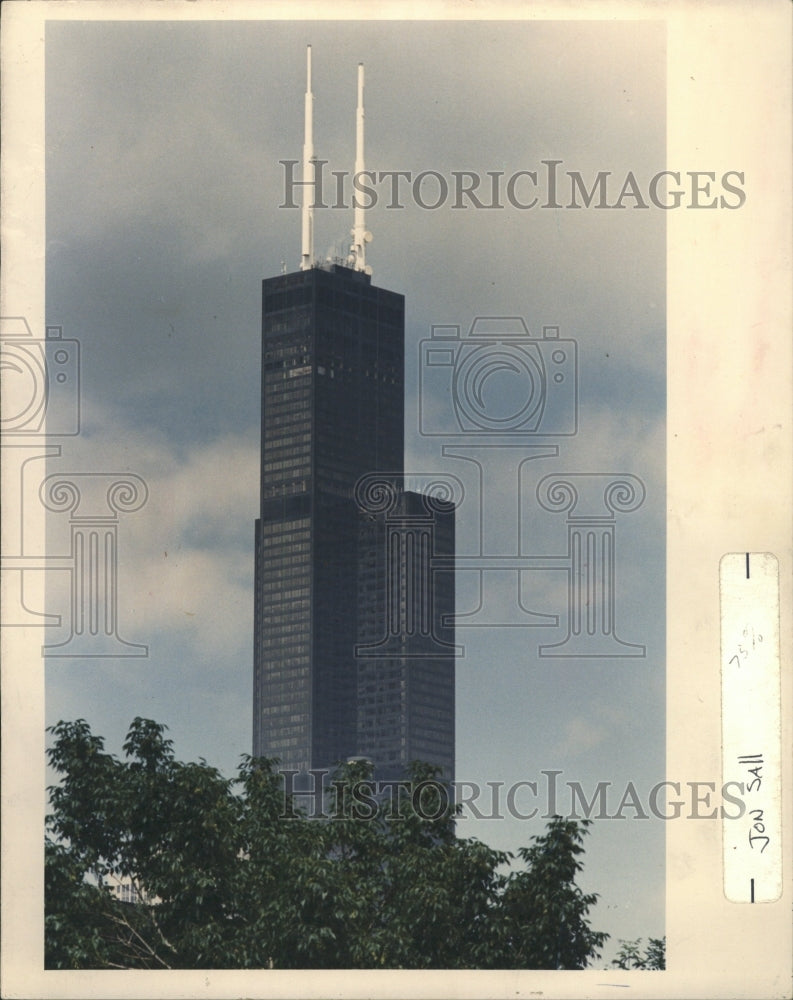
309 175
360 235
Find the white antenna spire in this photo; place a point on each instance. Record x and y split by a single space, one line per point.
360 236
309 175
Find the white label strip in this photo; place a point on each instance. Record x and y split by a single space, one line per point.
751 726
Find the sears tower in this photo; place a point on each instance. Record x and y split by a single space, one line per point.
332 398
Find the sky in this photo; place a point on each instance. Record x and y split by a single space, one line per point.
163 187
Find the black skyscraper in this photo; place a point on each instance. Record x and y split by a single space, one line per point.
351 655
333 411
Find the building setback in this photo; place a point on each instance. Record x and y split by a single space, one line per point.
405 668
325 583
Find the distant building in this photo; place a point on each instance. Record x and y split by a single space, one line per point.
123 889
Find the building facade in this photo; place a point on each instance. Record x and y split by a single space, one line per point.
405 655
332 412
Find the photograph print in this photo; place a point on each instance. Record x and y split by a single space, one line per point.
344 515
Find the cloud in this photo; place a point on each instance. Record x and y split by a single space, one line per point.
164 181
163 187
582 735
185 558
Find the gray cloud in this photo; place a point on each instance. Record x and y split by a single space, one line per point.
163 187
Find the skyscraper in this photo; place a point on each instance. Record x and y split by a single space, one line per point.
332 396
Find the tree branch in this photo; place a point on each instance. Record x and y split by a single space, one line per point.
123 922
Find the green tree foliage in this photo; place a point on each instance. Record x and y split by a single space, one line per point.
233 874
631 956
546 909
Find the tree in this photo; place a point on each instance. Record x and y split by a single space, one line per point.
546 909
169 828
232 874
630 955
